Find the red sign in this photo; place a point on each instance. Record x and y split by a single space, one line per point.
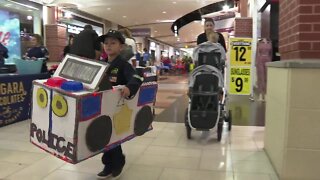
4 38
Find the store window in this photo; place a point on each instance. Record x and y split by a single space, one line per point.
74 23
18 21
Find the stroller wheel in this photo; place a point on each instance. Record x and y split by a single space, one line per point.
219 131
188 128
229 120
188 132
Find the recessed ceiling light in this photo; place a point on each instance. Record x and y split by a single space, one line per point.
29 18
68 15
124 16
226 7
166 20
174 2
164 12
108 9
155 31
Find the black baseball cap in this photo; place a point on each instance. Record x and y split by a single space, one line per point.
113 34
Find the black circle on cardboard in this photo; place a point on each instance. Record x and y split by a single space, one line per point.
98 134
143 120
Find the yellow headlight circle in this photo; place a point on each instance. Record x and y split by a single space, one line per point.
59 105
42 98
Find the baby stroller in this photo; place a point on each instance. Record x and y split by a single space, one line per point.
206 110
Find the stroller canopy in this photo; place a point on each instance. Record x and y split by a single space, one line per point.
206 69
207 47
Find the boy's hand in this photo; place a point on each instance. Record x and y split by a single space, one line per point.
125 92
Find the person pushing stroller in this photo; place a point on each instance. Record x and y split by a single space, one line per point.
211 46
206 109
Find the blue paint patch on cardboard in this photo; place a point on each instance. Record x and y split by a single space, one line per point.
90 107
147 94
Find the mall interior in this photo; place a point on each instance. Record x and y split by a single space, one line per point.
260 123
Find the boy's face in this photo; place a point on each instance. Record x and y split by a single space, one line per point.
112 46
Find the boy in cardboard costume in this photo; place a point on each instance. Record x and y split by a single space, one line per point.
120 72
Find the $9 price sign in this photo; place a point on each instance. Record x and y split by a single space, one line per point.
240 81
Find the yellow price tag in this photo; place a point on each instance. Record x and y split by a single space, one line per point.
240 81
240 51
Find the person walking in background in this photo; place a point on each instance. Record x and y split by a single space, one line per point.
145 57
209 26
131 46
86 44
37 51
66 49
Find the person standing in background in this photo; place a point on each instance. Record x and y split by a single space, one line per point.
86 44
66 49
264 55
209 26
3 54
38 51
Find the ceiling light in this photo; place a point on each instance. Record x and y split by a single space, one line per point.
166 21
108 9
21 4
29 10
174 2
68 15
164 12
8 5
226 8
155 31
29 18
124 16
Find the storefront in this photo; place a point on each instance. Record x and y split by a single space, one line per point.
18 20
67 23
74 23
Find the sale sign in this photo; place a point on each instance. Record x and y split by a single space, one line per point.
240 52
10 33
240 66
240 82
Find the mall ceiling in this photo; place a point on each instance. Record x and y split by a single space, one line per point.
158 15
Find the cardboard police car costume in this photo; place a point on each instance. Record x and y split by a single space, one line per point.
74 121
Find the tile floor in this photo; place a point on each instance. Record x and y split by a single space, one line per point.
162 154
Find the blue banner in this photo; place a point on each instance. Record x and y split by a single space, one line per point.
10 34
15 97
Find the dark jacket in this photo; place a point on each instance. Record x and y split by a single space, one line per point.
85 44
203 38
38 52
121 72
3 52
66 50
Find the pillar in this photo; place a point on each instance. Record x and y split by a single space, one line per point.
299 29
55 35
292 102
